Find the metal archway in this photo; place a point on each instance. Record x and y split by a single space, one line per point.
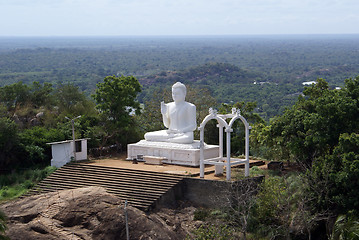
222 124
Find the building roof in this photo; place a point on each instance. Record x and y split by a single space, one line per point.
67 141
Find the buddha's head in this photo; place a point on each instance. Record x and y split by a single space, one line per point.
179 92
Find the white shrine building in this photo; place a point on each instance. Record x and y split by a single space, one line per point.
66 151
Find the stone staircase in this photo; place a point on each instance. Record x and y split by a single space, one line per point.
142 189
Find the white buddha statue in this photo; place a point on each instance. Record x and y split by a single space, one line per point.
178 116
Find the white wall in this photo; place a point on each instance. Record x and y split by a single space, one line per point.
83 154
62 152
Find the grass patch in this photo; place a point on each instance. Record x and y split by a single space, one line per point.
255 171
213 231
201 214
15 184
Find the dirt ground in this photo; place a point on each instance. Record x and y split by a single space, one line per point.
121 162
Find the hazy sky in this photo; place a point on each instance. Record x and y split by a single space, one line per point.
176 17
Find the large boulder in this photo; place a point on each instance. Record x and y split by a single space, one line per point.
85 213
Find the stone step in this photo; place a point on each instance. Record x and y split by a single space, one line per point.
115 176
110 182
124 170
140 188
59 183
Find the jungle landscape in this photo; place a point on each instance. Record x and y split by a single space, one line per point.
300 94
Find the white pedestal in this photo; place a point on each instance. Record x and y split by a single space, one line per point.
218 170
179 154
154 160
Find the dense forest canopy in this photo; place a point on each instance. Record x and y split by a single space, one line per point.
279 64
135 56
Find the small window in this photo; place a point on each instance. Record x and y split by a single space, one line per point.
78 146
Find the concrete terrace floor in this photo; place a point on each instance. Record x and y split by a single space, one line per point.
121 162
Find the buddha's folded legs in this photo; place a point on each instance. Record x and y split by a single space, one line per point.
163 136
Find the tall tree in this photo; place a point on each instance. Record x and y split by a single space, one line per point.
151 119
14 95
311 128
9 141
41 95
116 101
334 177
321 132
72 101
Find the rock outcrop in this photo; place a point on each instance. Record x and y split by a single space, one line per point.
89 213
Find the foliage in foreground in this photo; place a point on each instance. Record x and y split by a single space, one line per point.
321 133
311 128
334 177
17 183
346 227
213 231
2 226
277 208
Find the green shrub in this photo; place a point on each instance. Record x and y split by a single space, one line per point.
27 184
334 178
9 141
17 183
346 227
2 225
256 171
214 232
201 214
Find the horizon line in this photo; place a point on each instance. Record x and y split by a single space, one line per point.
182 35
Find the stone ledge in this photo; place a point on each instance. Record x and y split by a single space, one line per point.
178 154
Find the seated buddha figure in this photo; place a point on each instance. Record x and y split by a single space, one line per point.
178 116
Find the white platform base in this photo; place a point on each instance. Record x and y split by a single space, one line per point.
179 154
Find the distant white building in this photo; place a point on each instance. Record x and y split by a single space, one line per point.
309 83
261 83
63 152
